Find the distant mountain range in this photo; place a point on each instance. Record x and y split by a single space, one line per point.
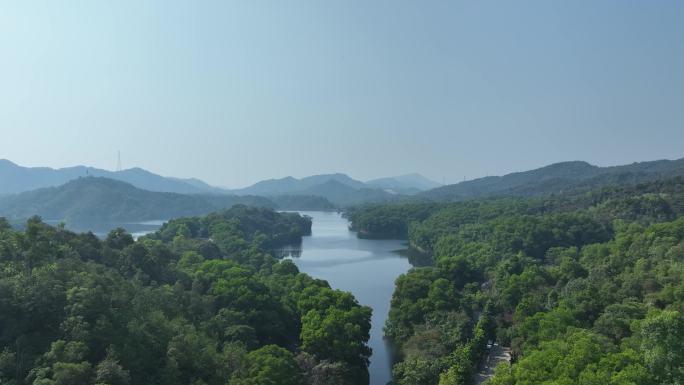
290 185
17 179
102 200
408 184
138 195
340 189
557 178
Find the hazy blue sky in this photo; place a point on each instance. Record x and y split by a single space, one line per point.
237 91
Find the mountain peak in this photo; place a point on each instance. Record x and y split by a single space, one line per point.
19 179
7 162
573 164
91 180
100 200
555 178
407 183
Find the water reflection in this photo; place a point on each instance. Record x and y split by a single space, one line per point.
289 251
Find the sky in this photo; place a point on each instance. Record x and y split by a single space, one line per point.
233 92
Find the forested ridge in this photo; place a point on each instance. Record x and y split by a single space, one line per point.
563 177
201 301
585 288
95 202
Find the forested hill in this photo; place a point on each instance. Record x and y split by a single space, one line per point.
290 185
16 179
102 200
584 288
339 189
302 203
344 195
398 220
557 178
408 184
200 302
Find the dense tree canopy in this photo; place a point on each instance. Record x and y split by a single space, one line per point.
201 301
584 288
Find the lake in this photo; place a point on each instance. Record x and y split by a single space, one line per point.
366 268
102 229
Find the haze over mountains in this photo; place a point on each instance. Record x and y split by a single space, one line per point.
404 184
84 195
338 188
557 178
101 200
138 195
17 179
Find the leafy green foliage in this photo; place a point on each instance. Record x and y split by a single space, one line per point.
202 301
269 365
576 177
584 287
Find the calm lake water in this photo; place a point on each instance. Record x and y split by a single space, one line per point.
101 230
366 268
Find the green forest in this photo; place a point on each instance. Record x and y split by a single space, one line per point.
202 301
342 192
584 288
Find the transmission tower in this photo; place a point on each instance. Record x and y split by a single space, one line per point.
118 161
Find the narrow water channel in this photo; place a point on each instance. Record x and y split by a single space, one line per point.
366 268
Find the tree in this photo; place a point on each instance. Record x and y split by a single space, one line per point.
417 371
269 365
337 335
110 372
663 346
63 364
